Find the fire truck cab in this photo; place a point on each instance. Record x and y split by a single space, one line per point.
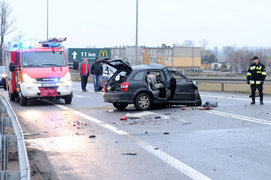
39 72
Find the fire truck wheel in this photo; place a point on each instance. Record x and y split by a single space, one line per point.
68 99
22 99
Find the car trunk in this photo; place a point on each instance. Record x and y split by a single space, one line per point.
115 82
123 71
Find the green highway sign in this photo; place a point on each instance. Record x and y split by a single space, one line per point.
91 54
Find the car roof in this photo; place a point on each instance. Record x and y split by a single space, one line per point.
148 66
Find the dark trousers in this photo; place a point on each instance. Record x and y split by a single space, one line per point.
84 81
96 82
253 88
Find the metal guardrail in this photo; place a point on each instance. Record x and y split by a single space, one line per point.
8 141
224 79
232 82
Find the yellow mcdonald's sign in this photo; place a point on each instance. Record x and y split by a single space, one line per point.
103 53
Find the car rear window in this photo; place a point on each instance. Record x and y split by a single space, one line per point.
139 76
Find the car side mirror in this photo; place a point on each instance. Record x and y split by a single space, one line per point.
11 66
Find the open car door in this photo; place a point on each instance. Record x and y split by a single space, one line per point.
170 84
185 88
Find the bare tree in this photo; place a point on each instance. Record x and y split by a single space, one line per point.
203 43
19 37
6 24
215 51
227 50
188 43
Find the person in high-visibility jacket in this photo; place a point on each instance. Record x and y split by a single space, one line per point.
255 77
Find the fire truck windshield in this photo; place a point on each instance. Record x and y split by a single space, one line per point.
43 59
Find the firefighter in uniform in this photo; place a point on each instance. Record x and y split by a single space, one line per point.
255 77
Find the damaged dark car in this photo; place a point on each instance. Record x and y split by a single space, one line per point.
148 85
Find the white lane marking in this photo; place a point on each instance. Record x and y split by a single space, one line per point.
140 114
182 167
245 118
222 97
146 113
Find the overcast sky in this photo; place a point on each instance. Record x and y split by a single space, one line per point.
109 23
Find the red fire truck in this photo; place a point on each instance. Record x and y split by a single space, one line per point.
38 72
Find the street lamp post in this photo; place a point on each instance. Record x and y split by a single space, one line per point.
136 31
47 18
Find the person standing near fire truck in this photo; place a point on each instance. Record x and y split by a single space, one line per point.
96 71
255 77
84 73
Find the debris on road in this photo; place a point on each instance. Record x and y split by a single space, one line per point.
80 133
166 133
123 118
80 124
210 104
92 136
133 154
111 110
206 108
183 108
132 117
186 123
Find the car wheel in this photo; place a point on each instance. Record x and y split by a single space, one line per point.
22 99
120 106
143 102
68 99
100 88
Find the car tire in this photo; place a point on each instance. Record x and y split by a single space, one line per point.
22 99
120 106
143 102
68 99
100 88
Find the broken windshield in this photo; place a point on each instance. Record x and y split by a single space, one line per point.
43 59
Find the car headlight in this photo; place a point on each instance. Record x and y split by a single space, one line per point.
67 77
28 79
4 75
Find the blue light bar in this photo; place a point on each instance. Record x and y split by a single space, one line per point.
25 45
51 45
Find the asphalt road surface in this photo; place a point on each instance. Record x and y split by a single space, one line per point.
88 140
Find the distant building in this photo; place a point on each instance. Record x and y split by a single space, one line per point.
160 55
186 57
173 57
127 53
